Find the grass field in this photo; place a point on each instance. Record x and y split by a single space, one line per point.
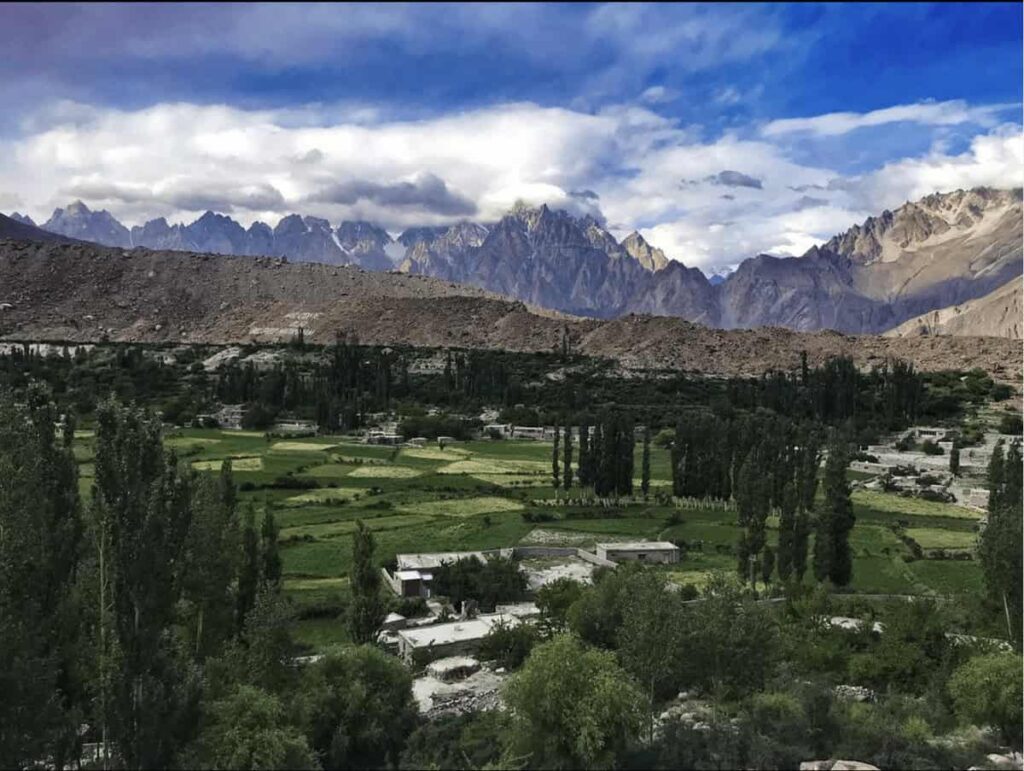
474 495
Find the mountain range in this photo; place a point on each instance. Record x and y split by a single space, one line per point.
941 251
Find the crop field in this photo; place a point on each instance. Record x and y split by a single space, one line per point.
489 494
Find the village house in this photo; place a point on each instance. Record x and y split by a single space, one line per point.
453 638
642 551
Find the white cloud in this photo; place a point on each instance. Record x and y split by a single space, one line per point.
928 113
642 170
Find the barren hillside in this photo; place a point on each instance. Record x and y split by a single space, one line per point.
997 314
79 292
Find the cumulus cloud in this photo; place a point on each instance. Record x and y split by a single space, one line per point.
947 113
745 194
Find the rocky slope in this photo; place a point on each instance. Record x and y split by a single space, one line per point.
997 314
82 292
943 250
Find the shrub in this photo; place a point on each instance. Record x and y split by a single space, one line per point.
928 447
1010 424
986 691
508 646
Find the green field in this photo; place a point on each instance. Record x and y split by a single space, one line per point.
477 495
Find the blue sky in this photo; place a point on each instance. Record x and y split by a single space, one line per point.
428 113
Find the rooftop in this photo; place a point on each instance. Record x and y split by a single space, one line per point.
435 560
455 631
638 546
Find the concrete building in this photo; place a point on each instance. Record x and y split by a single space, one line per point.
641 551
453 638
414 572
378 436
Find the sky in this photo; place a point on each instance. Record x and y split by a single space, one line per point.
718 131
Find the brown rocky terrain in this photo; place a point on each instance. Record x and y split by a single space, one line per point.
997 314
82 292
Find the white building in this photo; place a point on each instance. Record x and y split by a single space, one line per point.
640 551
453 638
414 572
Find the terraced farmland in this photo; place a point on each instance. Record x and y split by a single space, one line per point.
488 494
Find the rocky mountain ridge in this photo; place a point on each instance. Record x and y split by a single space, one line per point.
80 292
943 250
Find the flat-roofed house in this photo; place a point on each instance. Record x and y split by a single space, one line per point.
453 638
414 572
639 551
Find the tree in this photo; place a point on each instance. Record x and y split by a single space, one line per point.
271 572
645 467
250 729
142 511
996 472
249 569
649 639
555 476
40 547
1000 544
583 462
572 707
554 600
508 646
801 538
986 691
954 461
751 515
567 458
367 610
767 565
730 641
361 708
210 562
833 559
787 532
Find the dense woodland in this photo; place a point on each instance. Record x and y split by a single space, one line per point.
146 615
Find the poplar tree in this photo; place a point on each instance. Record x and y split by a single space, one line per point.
787 532
954 461
833 559
40 546
555 476
367 610
271 573
645 468
567 462
249 569
584 455
143 508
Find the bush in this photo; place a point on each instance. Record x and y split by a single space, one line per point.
258 417
1001 392
508 646
1011 424
986 691
928 447
906 443
294 483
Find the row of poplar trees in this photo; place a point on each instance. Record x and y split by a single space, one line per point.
112 602
604 459
765 464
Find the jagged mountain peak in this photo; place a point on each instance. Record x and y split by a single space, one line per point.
649 257
930 220
24 219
